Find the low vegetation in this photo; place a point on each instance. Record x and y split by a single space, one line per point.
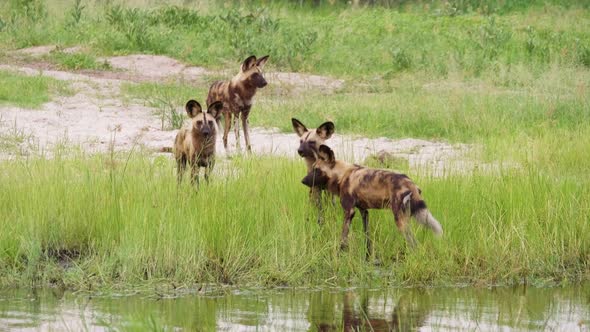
28 91
337 40
76 61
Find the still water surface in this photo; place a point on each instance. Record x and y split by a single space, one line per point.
449 309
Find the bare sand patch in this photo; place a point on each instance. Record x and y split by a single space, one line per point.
157 66
96 119
37 51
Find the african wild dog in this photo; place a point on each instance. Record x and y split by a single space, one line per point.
237 96
367 188
309 141
195 143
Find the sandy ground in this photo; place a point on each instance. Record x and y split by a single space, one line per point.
97 119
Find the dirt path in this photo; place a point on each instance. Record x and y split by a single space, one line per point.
96 119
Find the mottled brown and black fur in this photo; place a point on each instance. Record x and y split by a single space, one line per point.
237 96
309 142
195 143
368 188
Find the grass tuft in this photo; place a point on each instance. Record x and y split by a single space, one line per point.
77 61
28 91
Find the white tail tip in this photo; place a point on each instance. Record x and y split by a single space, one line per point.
425 218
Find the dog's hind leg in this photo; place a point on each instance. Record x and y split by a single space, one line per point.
402 221
401 210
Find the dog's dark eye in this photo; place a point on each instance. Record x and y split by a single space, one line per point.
210 123
199 123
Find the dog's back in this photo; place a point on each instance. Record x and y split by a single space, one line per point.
378 189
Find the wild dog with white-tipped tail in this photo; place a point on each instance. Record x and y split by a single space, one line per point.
368 188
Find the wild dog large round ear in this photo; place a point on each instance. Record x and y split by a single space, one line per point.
249 62
262 61
325 153
215 109
325 130
193 108
298 127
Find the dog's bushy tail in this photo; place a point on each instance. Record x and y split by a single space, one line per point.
420 211
426 218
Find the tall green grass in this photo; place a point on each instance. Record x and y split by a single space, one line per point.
115 221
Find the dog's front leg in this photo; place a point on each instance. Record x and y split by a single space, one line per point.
315 195
348 206
365 215
195 174
180 168
245 124
237 131
226 128
209 168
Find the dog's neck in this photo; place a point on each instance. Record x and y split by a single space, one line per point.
245 91
339 171
336 175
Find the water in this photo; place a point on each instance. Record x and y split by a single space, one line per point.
468 309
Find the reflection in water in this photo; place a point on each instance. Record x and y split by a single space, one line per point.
372 311
468 309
